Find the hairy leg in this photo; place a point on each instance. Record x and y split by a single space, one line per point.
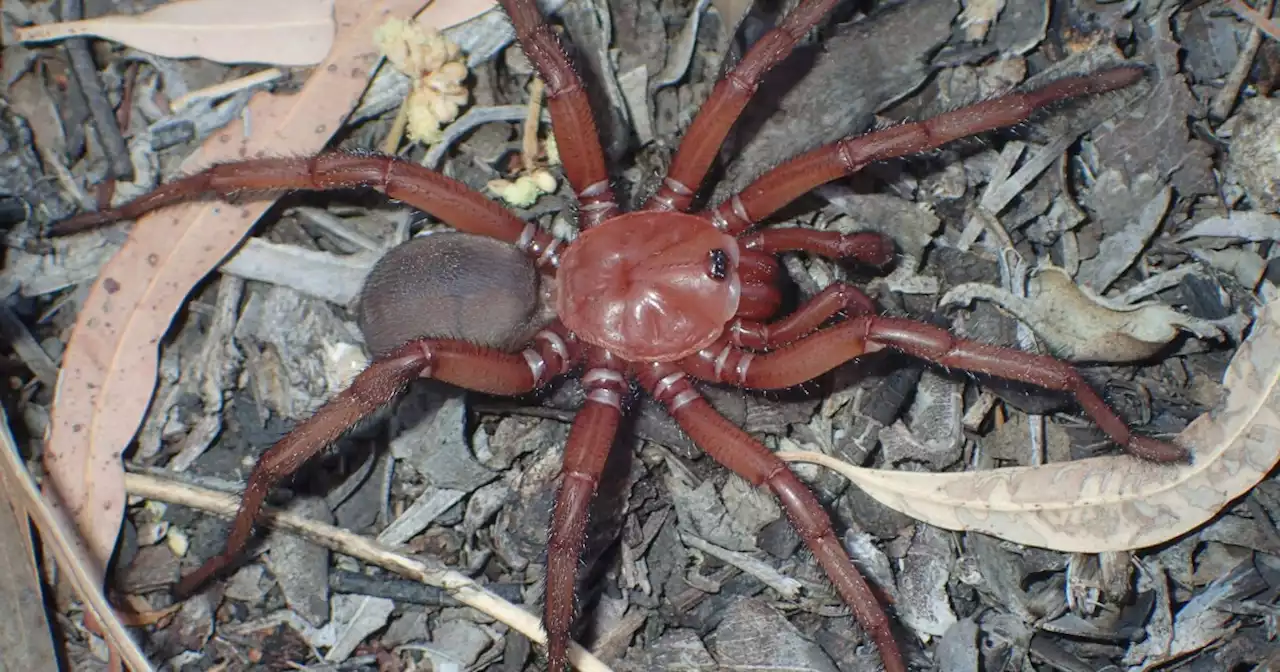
787 182
837 299
576 134
869 248
824 350
448 199
590 441
456 362
725 104
736 450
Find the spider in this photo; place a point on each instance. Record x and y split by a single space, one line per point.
658 299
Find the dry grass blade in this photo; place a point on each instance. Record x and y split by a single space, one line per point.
281 32
57 535
109 369
1109 503
461 587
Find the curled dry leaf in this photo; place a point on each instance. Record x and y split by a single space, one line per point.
109 369
280 32
1079 325
1109 503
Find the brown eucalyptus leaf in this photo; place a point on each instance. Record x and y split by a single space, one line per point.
109 369
1109 503
280 32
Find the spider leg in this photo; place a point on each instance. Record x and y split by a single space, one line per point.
456 362
722 108
589 443
736 450
758 270
760 296
823 350
576 134
866 247
838 298
448 199
787 182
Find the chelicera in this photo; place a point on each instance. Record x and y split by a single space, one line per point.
658 299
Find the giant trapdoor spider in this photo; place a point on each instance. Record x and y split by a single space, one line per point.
660 297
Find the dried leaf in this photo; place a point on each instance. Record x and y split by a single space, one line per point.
731 11
1253 162
281 32
1247 225
26 641
441 15
754 636
1078 325
1109 503
109 369
977 17
355 618
1123 247
75 568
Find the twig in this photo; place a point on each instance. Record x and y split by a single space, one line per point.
529 143
396 133
124 113
217 91
85 74
1226 98
785 586
461 587
28 349
72 561
1258 19
474 117
410 592
681 53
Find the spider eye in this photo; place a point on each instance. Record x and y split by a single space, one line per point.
718 269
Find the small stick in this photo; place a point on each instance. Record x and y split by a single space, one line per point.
260 78
529 148
85 73
1261 21
396 133
124 114
1222 103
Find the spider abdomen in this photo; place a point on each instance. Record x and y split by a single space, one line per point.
650 286
453 286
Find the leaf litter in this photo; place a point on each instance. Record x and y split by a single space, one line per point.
279 32
1110 225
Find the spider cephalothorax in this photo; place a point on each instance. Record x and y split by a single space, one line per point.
660 297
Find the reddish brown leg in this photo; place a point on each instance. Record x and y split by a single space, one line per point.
422 188
590 441
576 134
711 125
820 352
869 248
837 299
787 182
748 458
456 362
